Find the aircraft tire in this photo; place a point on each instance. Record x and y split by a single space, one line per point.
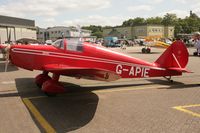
148 50
195 53
143 50
40 79
52 87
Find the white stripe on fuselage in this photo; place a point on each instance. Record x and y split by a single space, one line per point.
79 57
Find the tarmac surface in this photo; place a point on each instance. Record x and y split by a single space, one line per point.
150 105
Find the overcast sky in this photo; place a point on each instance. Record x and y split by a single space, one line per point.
93 12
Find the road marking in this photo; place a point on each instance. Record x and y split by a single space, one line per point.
6 91
2 61
47 127
8 82
182 109
132 88
37 97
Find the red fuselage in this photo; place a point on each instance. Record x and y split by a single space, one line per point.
91 56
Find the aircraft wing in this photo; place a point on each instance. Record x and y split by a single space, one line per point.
161 44
158 44
82 72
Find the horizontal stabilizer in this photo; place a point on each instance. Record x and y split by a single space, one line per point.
179 69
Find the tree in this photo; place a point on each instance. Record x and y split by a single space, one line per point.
156 20
98 34
169 19
181 27
188 24
96 30
136 21
193 22
127 23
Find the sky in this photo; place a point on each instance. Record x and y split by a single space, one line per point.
48 13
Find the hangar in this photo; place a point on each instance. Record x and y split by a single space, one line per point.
12 29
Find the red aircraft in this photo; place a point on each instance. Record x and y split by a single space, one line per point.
70 57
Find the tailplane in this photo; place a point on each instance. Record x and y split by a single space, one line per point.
174 58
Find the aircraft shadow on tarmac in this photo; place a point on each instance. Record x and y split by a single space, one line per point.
9 69
191 55
173 85
144 53
66 112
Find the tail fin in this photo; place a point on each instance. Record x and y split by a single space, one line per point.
175 57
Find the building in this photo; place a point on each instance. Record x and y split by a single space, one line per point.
120 32
142 31
12 29
54 33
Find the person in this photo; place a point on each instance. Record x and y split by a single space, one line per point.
197 39
123 45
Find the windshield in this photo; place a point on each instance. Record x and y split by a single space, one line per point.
59 44
74 44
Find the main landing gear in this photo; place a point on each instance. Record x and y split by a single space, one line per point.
146 50
50 86
169 79
196 53
41 78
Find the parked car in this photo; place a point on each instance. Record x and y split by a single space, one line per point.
111 42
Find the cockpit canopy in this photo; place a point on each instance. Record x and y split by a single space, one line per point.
59 43
72 44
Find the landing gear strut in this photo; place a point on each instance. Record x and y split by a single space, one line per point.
169 79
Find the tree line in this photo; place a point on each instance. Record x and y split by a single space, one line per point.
186 25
